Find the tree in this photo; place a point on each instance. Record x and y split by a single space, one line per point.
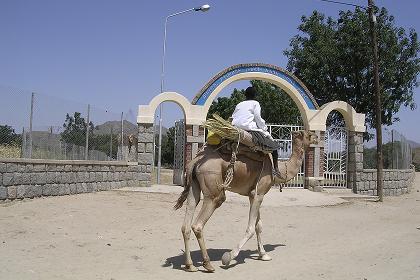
168 146
8 136
224 106
333 58
75 130
276 106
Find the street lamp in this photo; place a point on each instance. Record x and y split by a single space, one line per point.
203 8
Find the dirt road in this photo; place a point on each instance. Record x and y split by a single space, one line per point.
133 235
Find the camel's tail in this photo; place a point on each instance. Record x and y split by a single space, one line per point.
182 198
187 182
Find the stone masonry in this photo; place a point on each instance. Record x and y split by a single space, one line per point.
355 159
363 181
145 150
28 178
396 181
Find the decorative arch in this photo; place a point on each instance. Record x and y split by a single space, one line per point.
285 80
203 96
146 113
314 117
354 121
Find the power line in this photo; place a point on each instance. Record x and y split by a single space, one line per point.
344 3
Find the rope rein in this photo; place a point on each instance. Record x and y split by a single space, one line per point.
229 172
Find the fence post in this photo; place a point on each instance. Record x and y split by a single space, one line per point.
392 149
23 145
30 125
87 134
122 136
110 145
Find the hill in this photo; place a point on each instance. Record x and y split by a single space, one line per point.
416 158
413 144
129 128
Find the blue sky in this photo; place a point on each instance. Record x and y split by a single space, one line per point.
108 53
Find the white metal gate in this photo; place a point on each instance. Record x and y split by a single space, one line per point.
335 157
179 150
283 134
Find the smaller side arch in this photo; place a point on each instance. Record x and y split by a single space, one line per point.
354 121
146 112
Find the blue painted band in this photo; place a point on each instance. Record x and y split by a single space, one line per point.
246 69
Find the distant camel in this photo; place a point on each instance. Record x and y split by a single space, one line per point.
251 178
133 142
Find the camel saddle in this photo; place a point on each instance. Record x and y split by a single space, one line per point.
226 146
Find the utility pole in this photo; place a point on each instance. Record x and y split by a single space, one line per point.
87 134
379 156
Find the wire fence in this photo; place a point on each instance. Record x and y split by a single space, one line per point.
396 149
39 126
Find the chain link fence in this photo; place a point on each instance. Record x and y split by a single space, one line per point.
396 149
38 126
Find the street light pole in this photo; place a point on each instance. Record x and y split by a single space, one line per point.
203 8
379 156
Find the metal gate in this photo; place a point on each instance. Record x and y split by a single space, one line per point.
283 134
179 151
335 157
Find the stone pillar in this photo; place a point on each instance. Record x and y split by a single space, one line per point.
194 141
314 164
145 151
355 161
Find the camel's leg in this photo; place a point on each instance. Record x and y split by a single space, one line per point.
258 230
253 215
261 251
192 200
209 205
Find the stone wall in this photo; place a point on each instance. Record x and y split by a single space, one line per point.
145 150
396 181
28 178
354 159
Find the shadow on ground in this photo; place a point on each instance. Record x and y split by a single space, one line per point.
215 255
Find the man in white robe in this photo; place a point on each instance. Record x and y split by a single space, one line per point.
247 116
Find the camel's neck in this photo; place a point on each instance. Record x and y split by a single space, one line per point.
296 158
290 168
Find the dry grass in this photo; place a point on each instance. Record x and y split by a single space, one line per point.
166 176
7 151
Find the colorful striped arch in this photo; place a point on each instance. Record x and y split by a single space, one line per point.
205 92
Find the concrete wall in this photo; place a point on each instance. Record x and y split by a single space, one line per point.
27 178
396 181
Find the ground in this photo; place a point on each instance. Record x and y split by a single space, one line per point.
136 235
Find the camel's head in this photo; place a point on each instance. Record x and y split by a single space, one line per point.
305 138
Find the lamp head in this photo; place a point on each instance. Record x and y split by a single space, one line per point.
203 8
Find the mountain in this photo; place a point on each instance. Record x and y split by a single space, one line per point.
413 144
105 128
129 128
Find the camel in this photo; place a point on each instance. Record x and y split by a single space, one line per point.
252 178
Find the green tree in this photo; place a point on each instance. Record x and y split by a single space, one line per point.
224 106
168 146
276 106
102 142
333 57
75 130
8 136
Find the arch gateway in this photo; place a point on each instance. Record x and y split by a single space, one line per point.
313 116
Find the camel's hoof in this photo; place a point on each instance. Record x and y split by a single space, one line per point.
190 268
208 266
265 257
226 258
